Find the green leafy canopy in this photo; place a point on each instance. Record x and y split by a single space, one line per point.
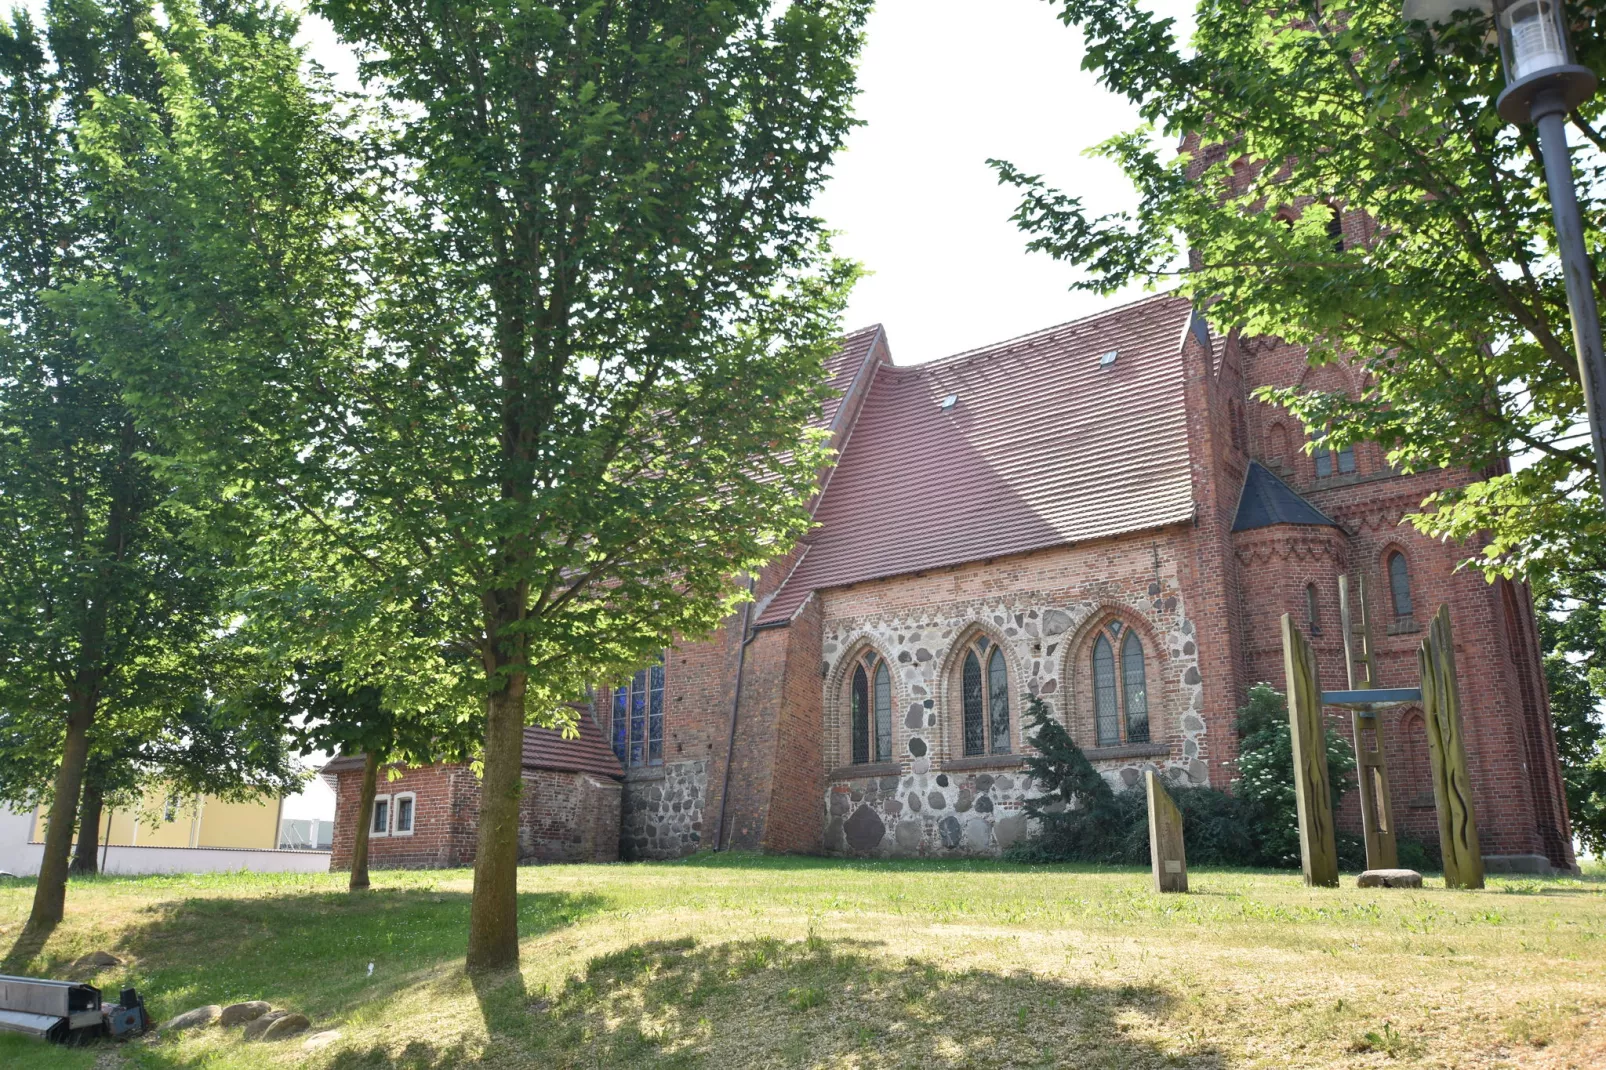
1453 306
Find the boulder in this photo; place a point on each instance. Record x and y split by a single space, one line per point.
200 1016
99 960
240 1013
257 1026
287 1026
321 1040
1389 878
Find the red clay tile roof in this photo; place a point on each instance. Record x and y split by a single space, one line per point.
1041 447
842 368
544 748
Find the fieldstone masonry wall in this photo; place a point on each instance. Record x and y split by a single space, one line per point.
931 799
663 813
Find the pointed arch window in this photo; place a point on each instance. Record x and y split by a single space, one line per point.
1400 584
638 718
984 695
1120 687
870 710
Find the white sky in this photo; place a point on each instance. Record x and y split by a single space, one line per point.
946 84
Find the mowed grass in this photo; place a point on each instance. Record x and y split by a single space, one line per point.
739 961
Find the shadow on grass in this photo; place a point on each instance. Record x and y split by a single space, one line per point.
308 951
766 1002
25 950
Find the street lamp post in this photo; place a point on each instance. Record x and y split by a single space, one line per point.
1543 84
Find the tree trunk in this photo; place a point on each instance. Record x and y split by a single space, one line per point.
493 923
50 894
86 858
365 821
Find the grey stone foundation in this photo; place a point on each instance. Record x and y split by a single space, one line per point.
663 811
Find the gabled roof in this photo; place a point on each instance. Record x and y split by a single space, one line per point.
544 748
1267 500
1042 445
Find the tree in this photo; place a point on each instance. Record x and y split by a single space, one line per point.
1266 770
523 377
105 591
216 728
1572 633
338 718
1442 287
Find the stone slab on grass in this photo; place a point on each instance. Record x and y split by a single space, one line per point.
1389 878
240 1013
256 1027
200 1016
287 1026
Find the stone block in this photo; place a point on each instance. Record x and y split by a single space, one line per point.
193 1019
1389 878
287 1026
1168 861
240 1013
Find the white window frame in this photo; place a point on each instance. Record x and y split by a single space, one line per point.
390 813
412 814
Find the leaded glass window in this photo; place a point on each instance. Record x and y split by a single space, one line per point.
870 711
638 718
883 712
975 735
998 701
1120 687
860 702
1135 690
1400 584
1107 720
985 698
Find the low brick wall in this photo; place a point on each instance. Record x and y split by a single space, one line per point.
564 817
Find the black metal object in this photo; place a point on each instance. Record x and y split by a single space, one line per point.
59 1011
67 1012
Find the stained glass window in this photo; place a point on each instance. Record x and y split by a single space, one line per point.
998 701
975 724
1107 720
1136 690
638 718
1400 584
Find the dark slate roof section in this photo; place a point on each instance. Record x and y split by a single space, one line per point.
544 748
1267 500
1042 444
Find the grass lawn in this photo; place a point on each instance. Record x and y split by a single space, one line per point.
735 961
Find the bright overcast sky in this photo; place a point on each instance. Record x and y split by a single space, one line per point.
946 84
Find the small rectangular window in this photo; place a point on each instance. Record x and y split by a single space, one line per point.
404 815
1324 462
1346 460
381 823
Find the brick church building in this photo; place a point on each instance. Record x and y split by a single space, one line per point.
1097 513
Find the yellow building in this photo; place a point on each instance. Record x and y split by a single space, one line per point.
165 820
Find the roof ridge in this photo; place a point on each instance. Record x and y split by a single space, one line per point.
1008 342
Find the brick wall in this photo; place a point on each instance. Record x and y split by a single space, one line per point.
569 817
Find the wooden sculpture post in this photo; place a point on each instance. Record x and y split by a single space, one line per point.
1318 851
1452 790
1166 856
1377 812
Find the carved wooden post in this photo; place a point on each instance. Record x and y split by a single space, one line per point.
1166 855
1318 852
1452 789
1377 811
